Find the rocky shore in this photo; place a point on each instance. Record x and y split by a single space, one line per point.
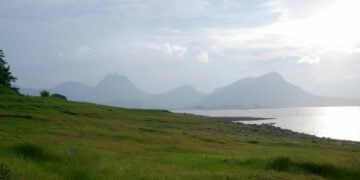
269 127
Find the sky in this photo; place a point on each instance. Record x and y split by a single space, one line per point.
162 44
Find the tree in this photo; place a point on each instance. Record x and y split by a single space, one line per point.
6 77
44 93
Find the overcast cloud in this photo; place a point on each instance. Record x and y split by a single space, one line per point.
162 44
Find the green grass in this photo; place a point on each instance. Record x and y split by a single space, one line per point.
47 138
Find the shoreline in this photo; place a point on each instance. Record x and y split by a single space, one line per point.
242 118
270 127
224 118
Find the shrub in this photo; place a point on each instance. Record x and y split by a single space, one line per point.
44 93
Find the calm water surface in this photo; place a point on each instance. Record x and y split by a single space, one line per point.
334 122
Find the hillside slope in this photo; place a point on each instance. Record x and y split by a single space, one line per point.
46 138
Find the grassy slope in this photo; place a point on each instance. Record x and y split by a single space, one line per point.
44 138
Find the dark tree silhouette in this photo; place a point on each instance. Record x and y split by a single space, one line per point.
44 93
6 77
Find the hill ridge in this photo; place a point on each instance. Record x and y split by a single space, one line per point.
267 90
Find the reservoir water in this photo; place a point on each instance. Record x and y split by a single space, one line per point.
333 122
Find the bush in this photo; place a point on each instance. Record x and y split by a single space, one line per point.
44 94
59 96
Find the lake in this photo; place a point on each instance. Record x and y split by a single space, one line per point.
333 122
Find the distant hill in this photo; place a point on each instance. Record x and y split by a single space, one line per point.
268 90
112 89
120 91
74 91
182 97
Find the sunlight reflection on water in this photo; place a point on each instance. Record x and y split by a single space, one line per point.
333 122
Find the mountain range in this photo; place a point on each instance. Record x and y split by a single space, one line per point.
268 90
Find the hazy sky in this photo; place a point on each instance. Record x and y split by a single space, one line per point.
161 44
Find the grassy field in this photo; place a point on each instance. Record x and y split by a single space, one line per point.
47 138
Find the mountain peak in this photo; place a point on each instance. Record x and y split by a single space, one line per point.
271 76
114 86
114 79
184 89
113 76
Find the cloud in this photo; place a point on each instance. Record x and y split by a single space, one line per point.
256 35
257 44
294 9
175 50
334 28
331 28
159 13
311 59
53 3
203 57
83 51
